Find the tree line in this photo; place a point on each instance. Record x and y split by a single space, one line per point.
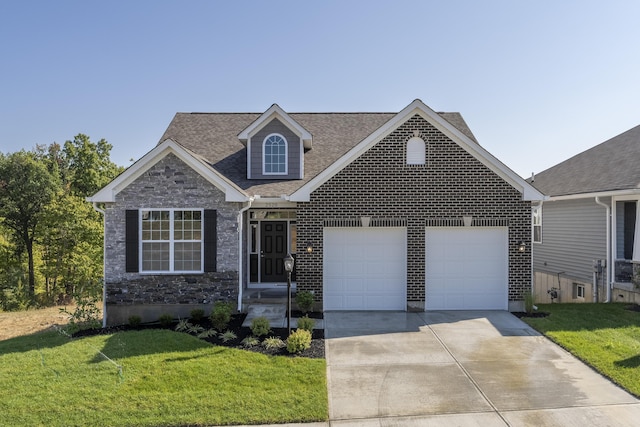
51 238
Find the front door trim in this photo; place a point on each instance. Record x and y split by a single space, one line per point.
255 278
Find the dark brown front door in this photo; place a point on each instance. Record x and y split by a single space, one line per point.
273 247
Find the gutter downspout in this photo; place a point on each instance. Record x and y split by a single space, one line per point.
104 261
240 249
609 266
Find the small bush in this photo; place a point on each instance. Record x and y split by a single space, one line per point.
197 314
208 333
227 336
306 323
183 325
298 341
165 320
260 326
195 329
273 343
250 341
528 302
221 315
86 314
304 300
135 321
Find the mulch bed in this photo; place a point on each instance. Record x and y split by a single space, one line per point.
521 314
316 351
632 307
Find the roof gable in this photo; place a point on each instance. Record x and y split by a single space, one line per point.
440 123
608 167
168 146
275 112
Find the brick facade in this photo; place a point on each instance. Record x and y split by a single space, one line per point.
170 183
380 184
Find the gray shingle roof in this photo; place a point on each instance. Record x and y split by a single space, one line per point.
609 166
214 137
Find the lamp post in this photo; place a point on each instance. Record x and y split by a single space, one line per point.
288 266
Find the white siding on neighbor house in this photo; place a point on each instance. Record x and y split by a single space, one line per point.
573 235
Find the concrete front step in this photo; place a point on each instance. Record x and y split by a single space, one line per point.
276 314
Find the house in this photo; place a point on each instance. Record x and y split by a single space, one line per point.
382 211
585 239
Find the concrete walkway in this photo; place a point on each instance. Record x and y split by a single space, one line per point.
474 368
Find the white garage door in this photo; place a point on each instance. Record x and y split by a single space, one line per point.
365 268
467 268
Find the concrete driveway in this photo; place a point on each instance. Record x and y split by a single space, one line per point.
471 368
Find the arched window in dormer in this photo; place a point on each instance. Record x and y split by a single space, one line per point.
274 155
416 151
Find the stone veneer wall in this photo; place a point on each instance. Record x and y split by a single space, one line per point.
170 183
380 184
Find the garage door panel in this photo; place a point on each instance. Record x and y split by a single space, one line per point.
370 271
466 268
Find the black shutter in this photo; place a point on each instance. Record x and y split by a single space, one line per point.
210 240
629 228
131 241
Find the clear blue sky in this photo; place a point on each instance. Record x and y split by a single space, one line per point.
537 81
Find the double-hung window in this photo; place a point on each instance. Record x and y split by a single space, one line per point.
536 213
171 240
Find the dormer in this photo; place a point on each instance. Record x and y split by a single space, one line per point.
275 146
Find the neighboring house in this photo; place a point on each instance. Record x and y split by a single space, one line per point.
382 211
586 232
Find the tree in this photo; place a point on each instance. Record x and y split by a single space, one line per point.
70 239
85 165
26 187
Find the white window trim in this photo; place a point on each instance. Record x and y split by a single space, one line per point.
533 224
286 155
171 242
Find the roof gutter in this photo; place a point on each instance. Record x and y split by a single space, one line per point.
633 191
609 278
241 249
104 260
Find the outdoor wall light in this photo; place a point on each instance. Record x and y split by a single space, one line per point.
522 246
309 248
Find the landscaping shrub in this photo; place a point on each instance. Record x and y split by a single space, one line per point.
221 315
197 314
86 314
304 300
134 321
227 336
250 341
207 334
528 302
183 325
260 326
195 329
306 323
273 343
165 320
298 341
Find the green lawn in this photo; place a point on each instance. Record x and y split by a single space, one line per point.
153 378
606 336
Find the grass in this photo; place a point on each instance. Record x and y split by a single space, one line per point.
606 336
153 378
